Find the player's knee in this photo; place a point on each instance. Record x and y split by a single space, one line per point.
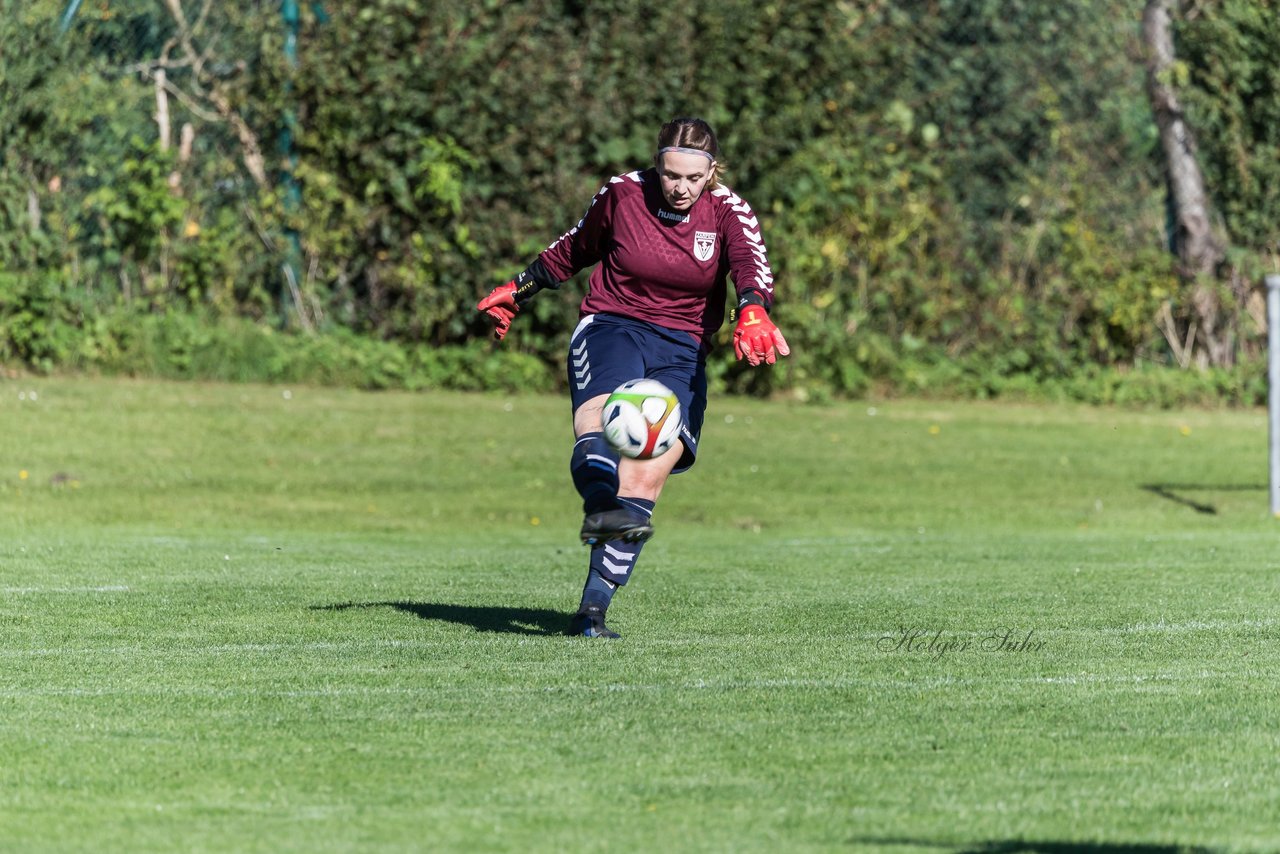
645 478
642 482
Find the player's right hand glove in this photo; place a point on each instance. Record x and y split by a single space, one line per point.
756 337
501 307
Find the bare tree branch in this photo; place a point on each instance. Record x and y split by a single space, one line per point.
210 91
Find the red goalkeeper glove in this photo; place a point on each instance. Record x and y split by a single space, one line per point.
756 337
501 307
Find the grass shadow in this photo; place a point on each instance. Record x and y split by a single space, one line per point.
482 618
1171 492
1023 846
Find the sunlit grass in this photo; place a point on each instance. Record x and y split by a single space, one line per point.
259 618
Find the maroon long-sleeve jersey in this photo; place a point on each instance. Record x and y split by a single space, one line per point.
665 267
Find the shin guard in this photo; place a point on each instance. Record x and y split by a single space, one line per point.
612 561
594 466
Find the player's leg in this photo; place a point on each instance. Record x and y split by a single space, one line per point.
602 356
606 480
613 558
594 463
604 352
617 534
644 479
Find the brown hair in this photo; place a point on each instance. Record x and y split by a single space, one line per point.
688 132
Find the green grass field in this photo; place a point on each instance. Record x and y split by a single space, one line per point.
241 618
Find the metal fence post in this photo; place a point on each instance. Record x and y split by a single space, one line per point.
1273 386
68 16
291 293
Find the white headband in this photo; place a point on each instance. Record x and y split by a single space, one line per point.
706 154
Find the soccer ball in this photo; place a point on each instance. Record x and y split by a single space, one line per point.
642 419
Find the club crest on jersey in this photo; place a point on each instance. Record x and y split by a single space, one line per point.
704 245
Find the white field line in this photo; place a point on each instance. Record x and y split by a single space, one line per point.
275 810
1159 628
170 651
221 649
715 685
1189 626
109 588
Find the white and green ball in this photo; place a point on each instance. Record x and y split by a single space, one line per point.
642 419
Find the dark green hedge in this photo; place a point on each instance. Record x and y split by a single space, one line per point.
958 188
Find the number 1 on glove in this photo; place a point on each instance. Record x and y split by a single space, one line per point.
756 337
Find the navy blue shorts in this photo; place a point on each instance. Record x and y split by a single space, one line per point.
606 350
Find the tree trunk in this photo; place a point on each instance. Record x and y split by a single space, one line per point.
162 110
1199 249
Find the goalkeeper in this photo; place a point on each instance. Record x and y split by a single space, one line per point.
663 243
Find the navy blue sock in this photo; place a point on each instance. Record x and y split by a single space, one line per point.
612 561
598 591
594 466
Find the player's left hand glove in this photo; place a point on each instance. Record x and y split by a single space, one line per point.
756 337
501 307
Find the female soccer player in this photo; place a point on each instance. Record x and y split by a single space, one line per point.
663 242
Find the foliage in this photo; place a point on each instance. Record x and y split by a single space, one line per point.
938 180
201 346
1233 93
38 325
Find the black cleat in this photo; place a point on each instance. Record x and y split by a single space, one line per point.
589 623
621 524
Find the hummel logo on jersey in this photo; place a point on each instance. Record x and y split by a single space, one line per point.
672 215
704 245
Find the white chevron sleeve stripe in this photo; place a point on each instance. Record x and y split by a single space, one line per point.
763 273
571 232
